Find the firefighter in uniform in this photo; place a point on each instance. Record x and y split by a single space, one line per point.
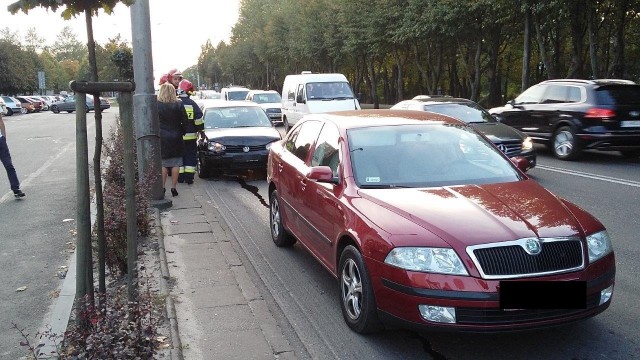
195 124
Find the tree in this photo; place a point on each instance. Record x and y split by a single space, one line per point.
67 46
33 41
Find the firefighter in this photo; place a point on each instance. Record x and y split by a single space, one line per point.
195 124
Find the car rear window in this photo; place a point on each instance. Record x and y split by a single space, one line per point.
618 94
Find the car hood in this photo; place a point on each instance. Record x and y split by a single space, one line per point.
243 136
474 214
270 105
498 132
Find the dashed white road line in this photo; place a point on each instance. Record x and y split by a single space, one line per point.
590 176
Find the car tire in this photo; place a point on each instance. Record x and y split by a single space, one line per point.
55 109
279 233
202 171
630 154
564 144
9 112
69 111
285 123
357 299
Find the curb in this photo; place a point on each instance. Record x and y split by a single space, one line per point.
176 344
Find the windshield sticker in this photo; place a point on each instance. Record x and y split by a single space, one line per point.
371 179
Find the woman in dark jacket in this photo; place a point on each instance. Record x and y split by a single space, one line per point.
173 119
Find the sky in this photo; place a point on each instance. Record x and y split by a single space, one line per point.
178 28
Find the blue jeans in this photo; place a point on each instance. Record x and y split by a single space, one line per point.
5 157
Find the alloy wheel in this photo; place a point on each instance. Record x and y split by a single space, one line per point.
351 289
275 217
563 143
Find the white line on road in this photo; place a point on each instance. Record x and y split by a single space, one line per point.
590 176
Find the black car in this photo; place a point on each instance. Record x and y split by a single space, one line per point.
237 137
509 140
572 115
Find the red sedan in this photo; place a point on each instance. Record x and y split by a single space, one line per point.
427 225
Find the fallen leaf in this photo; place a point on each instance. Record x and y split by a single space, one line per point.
63 267
67 220
21 288
174 221
161 338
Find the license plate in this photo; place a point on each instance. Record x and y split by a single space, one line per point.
543 295
630 123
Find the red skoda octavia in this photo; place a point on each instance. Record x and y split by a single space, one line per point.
427 225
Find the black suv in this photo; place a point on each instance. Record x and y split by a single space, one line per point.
509 140
571 115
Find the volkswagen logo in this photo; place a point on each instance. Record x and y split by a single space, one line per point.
502 148
634 113
245 149
532 247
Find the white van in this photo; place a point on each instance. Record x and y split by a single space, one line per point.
233 93
309 93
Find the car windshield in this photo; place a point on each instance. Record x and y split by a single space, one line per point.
210 95
238 94
235 117
267 98
618 95
425 155
329 91
467 112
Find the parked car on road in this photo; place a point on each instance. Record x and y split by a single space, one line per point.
427 225
14 106
69 104
237 137
270 101
509 140
573 115
27 104
3 107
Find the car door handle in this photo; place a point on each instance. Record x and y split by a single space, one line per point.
279 167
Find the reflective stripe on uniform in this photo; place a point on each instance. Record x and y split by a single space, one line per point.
189 136
190 169
190 113
198 121
181 170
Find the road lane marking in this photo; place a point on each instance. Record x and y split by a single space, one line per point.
590 176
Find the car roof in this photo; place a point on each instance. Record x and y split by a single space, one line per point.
383 117
263 92
437 100
216 103
591 82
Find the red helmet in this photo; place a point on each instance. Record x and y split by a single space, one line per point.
187 87
164 78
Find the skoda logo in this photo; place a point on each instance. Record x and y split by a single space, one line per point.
245 149
503 148
532 247
634 113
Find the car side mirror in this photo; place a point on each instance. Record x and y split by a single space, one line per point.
511 102
300 100
520 162
321 174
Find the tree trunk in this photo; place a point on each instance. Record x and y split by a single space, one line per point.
492 69
593 38
373 82
526 55
543 52
617 66
475 86
399 79
577 34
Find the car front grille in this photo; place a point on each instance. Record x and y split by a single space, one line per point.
509 259
479 316
273 111
510 148
240 148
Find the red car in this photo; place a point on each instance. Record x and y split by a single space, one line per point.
427 225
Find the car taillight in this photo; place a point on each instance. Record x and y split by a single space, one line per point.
597 113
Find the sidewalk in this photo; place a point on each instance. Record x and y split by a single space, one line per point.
220 313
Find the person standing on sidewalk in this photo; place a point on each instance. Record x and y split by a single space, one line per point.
173 119
195 124
5 157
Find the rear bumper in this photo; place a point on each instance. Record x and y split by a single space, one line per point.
611 141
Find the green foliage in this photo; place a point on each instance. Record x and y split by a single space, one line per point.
70 8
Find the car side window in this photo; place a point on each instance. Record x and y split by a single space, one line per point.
300 93
291 94
326 152
291 140
574 94
305 138
555 94
532 95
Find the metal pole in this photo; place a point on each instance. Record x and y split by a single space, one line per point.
144 103
126 122
83 212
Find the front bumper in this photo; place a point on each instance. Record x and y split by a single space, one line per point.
275 117
254 160
477 301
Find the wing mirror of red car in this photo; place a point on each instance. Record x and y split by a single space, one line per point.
520 162
321 174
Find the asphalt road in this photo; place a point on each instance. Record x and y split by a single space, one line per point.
35 231
604 184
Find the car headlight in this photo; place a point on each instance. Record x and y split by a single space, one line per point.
599 245
527 143
216 147
435 260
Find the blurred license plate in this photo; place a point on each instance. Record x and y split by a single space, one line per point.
630 123
543 294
